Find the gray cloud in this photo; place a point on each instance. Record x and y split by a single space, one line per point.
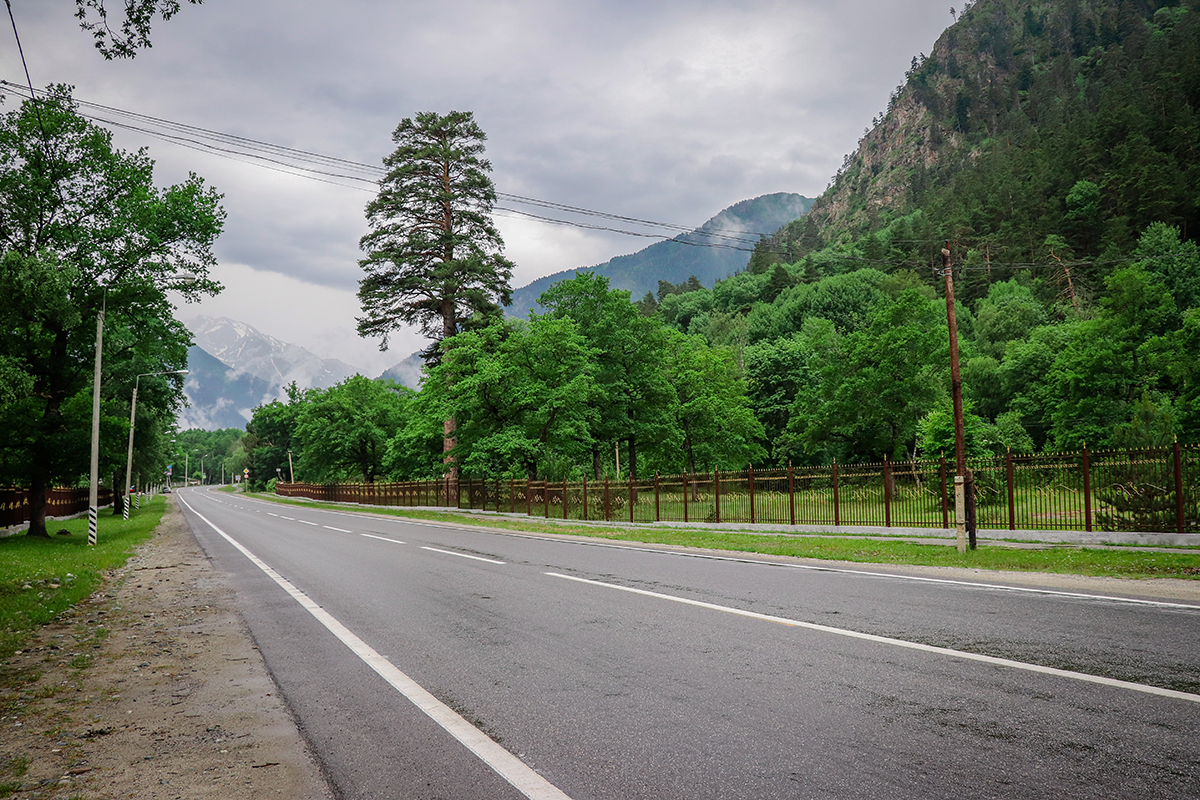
662 109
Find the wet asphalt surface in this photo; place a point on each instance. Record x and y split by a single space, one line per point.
619 695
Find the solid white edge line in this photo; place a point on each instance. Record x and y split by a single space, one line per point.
462 555
870 637
505 764
380 538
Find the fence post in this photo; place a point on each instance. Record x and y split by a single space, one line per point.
607 503
564 498
657 516
717 494
1012 508
585 516
791 492
751 473
1087 489
887 492
1179 520
837 512
546 496
945 503
528 497
686 491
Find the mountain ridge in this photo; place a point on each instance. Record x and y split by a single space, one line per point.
720 247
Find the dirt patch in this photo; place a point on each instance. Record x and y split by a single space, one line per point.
151 688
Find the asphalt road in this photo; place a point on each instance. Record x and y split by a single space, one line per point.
620 672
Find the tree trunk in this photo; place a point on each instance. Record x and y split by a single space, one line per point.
450 426
37 505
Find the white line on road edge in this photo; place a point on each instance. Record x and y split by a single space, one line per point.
508 766
463 555
381 538
870 637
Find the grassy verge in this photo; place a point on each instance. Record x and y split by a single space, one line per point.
861 549
40 578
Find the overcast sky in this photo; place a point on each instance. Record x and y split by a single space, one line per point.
667 110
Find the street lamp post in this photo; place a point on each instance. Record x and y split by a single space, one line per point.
94 473
132 412
206 455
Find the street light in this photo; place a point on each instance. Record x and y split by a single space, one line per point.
132 411
206 455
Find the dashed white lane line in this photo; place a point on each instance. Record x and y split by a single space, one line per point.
381 538
463 555
870 637
504 763
306 522
339 530
746 559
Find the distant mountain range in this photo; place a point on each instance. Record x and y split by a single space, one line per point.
715 250
233 368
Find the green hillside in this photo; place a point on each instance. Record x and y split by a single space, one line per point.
710 253
1054 147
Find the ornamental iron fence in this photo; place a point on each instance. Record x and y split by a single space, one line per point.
1149 490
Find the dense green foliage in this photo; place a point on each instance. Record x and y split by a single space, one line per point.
212 455
562 395
85 234
1051 145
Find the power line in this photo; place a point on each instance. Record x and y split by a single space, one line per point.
333 169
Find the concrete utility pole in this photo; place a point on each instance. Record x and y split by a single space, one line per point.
964 494
94 473
291 469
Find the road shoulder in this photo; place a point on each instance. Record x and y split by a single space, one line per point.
174 701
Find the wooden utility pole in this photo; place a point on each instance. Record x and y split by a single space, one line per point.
964 494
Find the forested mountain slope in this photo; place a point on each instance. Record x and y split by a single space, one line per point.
709 253
1054 146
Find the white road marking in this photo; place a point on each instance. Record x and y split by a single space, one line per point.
339 530
749 560
306 522
269 514
381 538
870 637
505 764
462 555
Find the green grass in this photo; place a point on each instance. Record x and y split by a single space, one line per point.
41 578
852 548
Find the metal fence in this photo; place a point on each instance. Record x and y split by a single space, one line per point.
14 503
1153 490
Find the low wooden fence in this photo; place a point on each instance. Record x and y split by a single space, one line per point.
1153 490
14 503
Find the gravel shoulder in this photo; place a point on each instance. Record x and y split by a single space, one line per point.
174 702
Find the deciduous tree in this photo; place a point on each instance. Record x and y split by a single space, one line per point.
83 228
